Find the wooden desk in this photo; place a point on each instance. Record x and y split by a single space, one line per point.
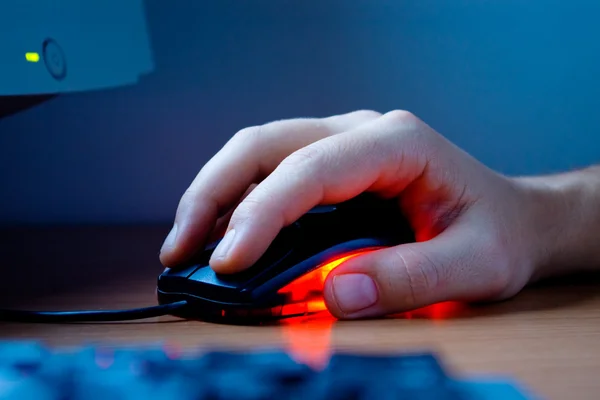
548 338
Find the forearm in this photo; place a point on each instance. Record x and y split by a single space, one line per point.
565 212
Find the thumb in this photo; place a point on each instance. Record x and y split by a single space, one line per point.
449 267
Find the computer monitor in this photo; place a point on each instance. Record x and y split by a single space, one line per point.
48 48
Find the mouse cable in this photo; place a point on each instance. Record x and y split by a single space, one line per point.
90 316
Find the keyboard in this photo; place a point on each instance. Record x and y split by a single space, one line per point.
31 371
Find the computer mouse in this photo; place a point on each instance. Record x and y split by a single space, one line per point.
288 279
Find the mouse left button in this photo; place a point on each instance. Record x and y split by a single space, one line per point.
180 272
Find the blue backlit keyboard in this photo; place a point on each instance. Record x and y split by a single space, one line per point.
31 371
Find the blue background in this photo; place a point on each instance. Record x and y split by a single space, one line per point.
515 83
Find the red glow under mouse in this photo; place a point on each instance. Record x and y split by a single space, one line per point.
305 294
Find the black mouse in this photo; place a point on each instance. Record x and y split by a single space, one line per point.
287 280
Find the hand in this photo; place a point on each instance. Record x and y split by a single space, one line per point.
474 227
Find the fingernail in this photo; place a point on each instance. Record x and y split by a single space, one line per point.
170 239
354 292
224 246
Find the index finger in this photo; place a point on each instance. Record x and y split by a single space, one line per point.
249 156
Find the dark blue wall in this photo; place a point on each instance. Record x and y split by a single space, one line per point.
513 82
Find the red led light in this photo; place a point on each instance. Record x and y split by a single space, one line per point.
305 294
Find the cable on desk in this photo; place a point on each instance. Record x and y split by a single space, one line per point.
90 316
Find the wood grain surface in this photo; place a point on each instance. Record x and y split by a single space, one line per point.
547 338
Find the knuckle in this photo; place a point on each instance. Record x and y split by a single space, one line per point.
245 210
306 157
366 114
411 132
261 206
422 274
250 136
402 118
188 198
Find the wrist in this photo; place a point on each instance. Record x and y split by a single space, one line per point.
564 212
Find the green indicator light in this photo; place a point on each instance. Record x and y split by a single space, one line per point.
32 57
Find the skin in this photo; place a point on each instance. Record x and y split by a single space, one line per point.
481 236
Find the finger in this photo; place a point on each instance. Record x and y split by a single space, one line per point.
382 155
222 222
449 267
246 158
